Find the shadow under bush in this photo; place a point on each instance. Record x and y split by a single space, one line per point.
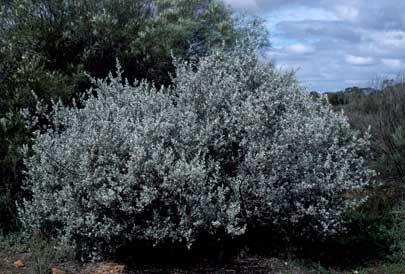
207 249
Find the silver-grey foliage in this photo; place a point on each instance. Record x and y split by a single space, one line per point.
233 143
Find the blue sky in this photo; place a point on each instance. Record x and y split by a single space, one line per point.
334 44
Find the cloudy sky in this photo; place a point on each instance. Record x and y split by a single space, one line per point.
334 44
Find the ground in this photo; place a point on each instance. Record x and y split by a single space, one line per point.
20 255
10 264
248 265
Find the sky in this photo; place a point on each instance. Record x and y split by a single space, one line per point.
333 44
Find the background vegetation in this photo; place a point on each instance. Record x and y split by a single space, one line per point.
383 110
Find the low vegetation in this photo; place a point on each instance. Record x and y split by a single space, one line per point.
382 109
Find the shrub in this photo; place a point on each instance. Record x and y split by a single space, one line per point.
47 45
231 145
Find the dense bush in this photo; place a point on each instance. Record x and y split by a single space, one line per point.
47 45
233 144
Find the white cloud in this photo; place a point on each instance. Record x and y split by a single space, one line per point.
357 82
359 60
392 63
391 39
300 49
346 12
288 67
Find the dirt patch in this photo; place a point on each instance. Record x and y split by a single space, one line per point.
243 266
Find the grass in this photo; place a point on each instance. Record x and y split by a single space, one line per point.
38 254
